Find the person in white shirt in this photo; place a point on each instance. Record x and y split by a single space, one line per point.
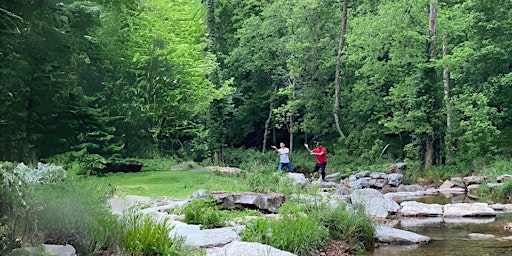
284 160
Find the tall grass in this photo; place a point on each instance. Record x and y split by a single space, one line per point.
143 236
305 228
298 234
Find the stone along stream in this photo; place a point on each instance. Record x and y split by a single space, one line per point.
452 236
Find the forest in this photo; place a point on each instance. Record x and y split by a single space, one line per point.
422 81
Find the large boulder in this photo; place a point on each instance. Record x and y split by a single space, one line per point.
268 203
374 203
298 179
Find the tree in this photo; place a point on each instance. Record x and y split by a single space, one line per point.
338 68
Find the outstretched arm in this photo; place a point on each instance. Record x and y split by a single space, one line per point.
307 147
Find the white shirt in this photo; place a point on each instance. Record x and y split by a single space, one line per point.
283 155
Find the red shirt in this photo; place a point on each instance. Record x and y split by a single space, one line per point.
322 158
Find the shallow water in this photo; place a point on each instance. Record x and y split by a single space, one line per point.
450 237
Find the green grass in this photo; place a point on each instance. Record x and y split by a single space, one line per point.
176 184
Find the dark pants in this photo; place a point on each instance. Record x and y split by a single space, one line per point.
321 167
288 165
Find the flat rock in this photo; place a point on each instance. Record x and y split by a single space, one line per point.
412 208
468 210
47 249
478 236
246 249
397 236
206 238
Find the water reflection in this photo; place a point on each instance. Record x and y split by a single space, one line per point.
450 236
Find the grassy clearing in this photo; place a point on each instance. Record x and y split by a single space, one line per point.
176 184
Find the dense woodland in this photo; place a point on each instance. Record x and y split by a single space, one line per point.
427 81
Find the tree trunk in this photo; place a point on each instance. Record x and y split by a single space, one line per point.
338 69
447 98
267 122
267 129
429 142
429 153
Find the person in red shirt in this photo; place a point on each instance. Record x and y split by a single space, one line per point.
321 157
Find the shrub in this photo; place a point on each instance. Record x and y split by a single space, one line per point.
352 226
504 192
204 212
306 227
146 237
298 234
83 222
35 196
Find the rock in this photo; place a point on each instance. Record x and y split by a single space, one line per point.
335 177
458 182
503 178
343 190
397 236
361 183
200 194
412 208
478 236
395 179
452 191
388 189
206 238
494 185
329 186
379 183
474 179
183 166
468 210
362 174
378 175
410 188
47 249
501 207
120 204
374 203
472 187
507 226
298 179
397 168
447 184
246 249
224 170
249 200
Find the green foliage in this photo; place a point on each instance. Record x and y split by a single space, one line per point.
475 135
304 228
504 192
146 237
297 234
34 196
204 212
352 225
